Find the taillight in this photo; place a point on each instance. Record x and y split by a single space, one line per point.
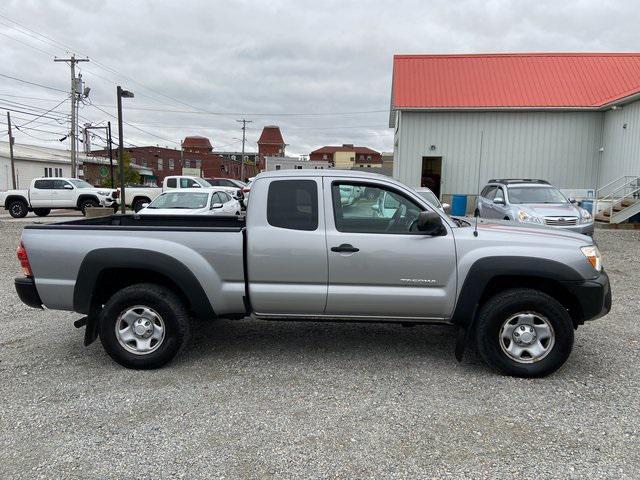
24 260
246 190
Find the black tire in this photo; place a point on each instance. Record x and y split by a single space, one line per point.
497 310
88 203
138 202
18 208
161 300
42 212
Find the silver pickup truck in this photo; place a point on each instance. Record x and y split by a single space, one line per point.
303 253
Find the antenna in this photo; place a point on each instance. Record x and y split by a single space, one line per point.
476 212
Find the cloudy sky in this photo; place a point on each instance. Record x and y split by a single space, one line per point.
321 70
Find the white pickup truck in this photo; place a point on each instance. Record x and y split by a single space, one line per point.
48 193
136 197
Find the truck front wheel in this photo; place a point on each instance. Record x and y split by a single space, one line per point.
88 203
143 326
18 209
524 333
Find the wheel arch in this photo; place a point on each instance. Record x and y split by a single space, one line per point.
107 270
489 275
13 198
86 196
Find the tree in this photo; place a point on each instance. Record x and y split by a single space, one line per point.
131 175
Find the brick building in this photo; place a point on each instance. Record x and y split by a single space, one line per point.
195 158
270 144
347 156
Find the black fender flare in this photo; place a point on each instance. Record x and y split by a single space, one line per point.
86 196
99 260
13 198
488 268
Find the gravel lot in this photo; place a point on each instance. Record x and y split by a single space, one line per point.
301 400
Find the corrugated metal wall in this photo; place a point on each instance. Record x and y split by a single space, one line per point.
621 154
562 147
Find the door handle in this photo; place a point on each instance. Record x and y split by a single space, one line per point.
345 247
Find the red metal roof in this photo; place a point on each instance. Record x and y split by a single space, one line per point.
271 135
528 80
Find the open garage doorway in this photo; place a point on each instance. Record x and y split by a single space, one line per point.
431 174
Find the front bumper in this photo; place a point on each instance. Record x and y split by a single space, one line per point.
593 296
26 288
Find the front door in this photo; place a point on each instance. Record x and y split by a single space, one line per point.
432 174
41 194
64 194
379 264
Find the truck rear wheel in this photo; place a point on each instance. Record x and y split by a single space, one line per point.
18 209
143 326
42 212
524 333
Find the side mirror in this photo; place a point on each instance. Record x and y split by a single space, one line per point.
375 207
216 205
67 187
572 200
499 201
196 185
446 207
430 223
145 205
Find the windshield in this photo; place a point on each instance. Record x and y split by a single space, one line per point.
183 200
536 195
202 182
80 183
430 197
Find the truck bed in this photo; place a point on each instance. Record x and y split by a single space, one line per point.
149 222
210 248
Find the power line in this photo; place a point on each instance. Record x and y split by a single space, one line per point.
48 111
32 83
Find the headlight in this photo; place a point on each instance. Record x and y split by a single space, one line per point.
527 218
585 216
593 255
104 193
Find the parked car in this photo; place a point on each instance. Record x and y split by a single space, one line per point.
230 183
517 293
192 201
533 202
138 196
49 193
245 192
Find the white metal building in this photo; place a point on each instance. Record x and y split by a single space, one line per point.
572 119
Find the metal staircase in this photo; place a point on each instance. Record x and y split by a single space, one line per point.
619 200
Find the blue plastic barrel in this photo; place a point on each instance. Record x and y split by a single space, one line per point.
458 205
587 205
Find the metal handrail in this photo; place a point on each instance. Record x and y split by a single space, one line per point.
637 190
627 183
624 177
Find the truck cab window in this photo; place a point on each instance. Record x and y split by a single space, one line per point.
172 183
43 184
293 204
371 209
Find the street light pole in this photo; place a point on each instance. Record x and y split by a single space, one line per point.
120 94
109 140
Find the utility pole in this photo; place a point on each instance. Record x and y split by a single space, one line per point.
13 162
74 154
244 128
